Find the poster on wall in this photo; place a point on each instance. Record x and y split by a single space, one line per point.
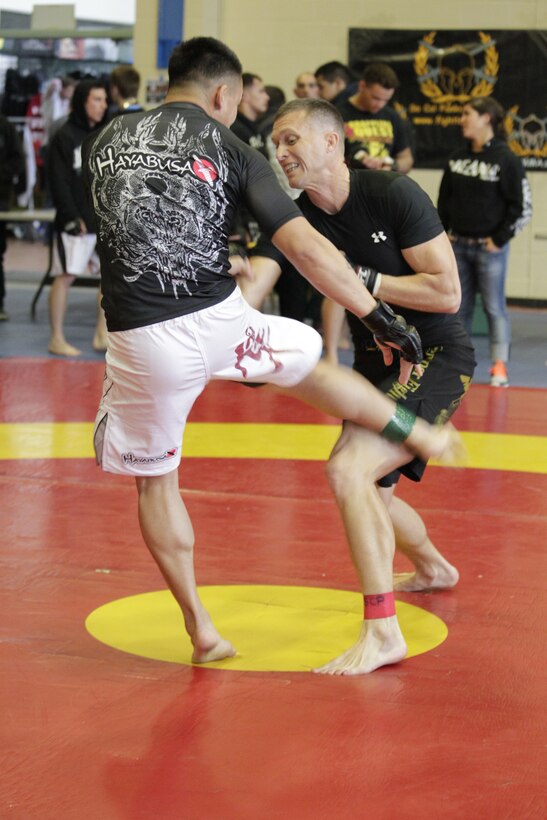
440 71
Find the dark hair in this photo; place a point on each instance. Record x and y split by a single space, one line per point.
202 60
334 71
127 80
490 106
68 81
380 74
81 93
318 109
248 79
277 97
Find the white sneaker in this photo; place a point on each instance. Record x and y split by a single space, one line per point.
498 375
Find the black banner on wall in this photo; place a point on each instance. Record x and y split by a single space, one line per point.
440 71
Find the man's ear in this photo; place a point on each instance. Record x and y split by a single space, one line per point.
332 141
219 94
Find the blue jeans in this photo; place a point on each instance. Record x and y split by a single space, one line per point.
483 272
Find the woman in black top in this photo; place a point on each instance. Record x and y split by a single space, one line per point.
484 201
74 219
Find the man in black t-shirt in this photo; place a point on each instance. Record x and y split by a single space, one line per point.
249 127
335 82
165 185
376 136
388 228
124 86
253 106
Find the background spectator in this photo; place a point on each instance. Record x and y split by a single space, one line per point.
484 201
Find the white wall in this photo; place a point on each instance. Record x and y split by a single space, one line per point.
279 38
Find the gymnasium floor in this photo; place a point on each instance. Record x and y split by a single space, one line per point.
103 715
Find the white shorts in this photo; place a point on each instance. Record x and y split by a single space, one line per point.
75 255
154 374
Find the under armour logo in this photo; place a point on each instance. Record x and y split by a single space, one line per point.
379 236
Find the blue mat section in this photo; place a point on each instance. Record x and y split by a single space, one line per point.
21 336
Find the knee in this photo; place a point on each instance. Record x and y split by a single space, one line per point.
62 282
345 476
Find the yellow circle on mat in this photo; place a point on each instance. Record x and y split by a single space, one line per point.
273 628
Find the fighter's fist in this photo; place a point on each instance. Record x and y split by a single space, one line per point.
390 329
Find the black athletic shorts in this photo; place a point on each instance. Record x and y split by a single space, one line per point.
434 396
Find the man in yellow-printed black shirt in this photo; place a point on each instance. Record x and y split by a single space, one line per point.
376 136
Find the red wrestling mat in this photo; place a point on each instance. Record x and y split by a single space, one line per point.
93 732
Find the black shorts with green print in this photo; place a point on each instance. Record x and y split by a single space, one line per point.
434 396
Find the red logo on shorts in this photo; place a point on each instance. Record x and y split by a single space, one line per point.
204 170
252 347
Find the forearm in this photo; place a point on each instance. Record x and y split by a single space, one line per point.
332 318
63 199
318 260
325 267
420 291
435 285
517 196
404 161
264 274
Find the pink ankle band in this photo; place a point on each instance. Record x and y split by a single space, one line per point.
379 606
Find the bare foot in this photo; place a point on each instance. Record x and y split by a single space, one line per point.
62 348
442 577
222 649
380 643
443 443
207 643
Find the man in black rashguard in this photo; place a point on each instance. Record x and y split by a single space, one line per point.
376 136
165 185
388 228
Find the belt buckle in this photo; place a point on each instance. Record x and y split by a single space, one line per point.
469 240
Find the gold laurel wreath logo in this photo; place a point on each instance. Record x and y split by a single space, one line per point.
515 136
430 88
509 125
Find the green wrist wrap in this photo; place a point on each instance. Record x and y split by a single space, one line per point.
400 425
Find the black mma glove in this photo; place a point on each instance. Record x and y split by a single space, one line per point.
237 249
368 277
389 328
73 228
